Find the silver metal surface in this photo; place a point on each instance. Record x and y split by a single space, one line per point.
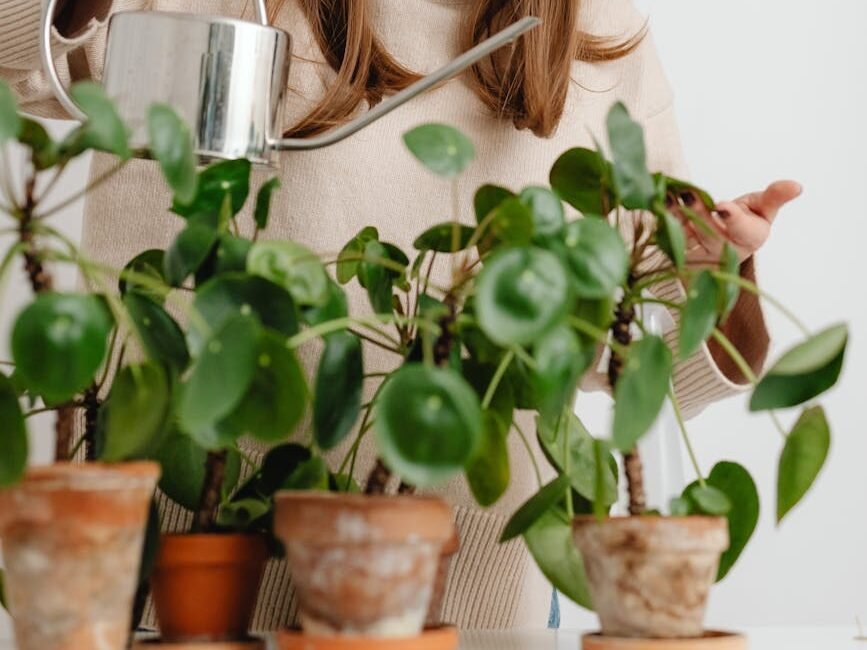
226 78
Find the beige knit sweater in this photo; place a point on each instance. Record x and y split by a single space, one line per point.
328 195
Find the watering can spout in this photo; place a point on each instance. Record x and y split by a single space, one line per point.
448 71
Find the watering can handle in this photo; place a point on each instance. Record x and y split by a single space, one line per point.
50 68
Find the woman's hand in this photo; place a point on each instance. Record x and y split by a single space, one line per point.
745 223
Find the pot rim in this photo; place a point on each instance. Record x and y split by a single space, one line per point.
90 476
700 533
199 18
196 549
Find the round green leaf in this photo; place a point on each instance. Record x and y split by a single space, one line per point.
10 121
161 336
293 267
488 469
336 306
231 256
536 506
242 514
188 252
232 294
220 377
710 500
729 291
597 257
441 148
309 475
561 358
44 151
135 412
172 146
59 342
263 202
278 465
183 464
350 257
549 218
439 238
699 316
487 199
228 178
641 390
428 423
276 398
104 130
144 274
374 277
521 293
511 222
802 459
737 484
13 436
671 238
550 542
337 401
633 182
804 372
582 178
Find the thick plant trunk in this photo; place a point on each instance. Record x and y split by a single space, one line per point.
633 467
215 471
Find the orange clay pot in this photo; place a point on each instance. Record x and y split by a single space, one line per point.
363 566
443 638
72 541
205 586
709 641
650 577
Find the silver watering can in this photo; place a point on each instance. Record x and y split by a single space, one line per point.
226 79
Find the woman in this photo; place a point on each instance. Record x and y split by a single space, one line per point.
522 108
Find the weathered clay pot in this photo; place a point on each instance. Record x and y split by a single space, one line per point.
649 577
72 540
205 586
362 565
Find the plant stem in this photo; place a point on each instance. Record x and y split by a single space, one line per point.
215 471
526 442
92 405
497 378
753 288
79 195
678 414
735 355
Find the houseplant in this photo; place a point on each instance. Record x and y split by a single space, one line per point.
79 526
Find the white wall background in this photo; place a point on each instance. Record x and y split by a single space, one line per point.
766 90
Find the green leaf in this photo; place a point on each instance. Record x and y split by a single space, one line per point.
441 148
172 146
10 121
428 423
263 202
44 151
229 178
550 542
374 277
161 336
729 291
103 131
439 238
561 358
536 506
487 199
337 400
183 463
3 601
678 186
546 208
511 222
231 256
136 412
479 375
59 342
671 239
699 316
292 266
710 500
350 257
276 399
335 307
310 475
233 294
802 459
737 484
220 377
804 372
568 444
147 277
641 390
13 436
488 469
633 182
597 257
278 465
681 507
243 513
188 252
582 178
521 293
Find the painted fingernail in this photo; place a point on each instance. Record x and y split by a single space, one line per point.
687 197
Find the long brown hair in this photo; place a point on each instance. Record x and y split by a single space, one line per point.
527 83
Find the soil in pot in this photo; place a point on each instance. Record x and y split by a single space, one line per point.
72 538
363 565
205 586
649 577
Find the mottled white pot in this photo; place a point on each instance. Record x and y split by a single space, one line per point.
649 577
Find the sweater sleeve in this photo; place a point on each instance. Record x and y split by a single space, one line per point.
78 42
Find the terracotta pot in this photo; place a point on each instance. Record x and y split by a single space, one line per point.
433 619
649 577
72 541
205 586
362 565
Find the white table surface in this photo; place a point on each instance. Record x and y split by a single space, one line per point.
771 638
